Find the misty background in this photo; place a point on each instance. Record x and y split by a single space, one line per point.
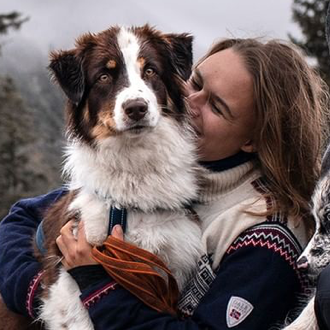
31 107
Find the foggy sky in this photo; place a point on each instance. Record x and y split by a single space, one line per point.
54 24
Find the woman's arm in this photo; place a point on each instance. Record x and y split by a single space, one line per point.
18 267
254 287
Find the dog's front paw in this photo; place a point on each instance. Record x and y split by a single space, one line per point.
94 214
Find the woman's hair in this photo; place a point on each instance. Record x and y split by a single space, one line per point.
291 108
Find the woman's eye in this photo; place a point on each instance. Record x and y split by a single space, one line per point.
149 72
216 110
104 78
196 85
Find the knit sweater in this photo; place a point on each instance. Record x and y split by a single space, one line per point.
248 279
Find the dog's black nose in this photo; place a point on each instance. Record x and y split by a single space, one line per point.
302 263
135 109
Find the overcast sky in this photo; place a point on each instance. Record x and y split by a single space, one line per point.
56 23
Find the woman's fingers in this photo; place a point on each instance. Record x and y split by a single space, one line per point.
67 232
83 248
117 232
76 251
67 257
74 247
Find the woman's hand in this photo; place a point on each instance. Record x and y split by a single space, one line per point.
77 251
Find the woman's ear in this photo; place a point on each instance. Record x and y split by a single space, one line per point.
249 146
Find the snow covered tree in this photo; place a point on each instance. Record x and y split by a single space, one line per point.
311 17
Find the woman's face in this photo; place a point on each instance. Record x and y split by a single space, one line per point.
220 97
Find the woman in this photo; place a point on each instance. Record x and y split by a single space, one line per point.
258 110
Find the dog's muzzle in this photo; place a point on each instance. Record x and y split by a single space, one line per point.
302 263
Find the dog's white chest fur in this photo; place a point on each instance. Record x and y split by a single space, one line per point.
144 176
171 235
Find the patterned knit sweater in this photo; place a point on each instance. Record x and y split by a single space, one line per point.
248 279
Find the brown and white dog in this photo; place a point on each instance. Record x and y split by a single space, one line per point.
129 146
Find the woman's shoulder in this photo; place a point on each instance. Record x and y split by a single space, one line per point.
293 225
249 224
275 236
277 230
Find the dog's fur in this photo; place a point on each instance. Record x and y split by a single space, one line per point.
129 145
317 253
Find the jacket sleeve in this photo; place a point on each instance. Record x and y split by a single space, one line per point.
254 287
18 268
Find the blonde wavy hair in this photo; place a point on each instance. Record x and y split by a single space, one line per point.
292 118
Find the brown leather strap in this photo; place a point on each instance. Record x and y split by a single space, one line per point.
140 272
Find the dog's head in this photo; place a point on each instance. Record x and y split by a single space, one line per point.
122 81
317 253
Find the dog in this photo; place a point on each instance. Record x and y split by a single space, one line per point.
129 146
316 256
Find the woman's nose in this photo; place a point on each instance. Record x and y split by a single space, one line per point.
195 103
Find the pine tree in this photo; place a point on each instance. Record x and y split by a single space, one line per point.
311 17
16 141
24 171
12 20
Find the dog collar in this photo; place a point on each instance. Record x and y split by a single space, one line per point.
117 217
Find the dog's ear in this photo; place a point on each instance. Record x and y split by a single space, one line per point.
181 53
67 69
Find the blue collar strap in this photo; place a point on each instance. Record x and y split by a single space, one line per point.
117 217
40 239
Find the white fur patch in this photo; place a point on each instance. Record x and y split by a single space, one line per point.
156 170
171 235
317 252
130 47
306 320
63 309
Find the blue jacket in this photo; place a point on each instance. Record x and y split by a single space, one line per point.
262 274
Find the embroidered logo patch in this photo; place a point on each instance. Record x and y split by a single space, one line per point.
238 310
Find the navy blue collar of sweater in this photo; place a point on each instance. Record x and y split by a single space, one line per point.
227 163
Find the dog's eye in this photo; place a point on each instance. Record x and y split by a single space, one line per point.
317 251
104 78
327 215
326 224
149 72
